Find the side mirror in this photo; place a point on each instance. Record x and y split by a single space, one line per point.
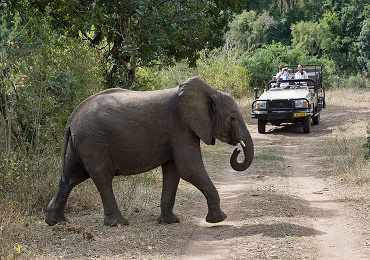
256 92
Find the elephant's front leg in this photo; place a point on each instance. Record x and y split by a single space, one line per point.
191 168
170 183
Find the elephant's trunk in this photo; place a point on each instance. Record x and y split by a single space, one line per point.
248 150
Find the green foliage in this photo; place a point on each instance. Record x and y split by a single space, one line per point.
43 77
364 47
222 71
249 30
358 81
152 78
286 13
135 33
264 63
315 38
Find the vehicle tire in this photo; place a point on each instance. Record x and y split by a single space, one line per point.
316 119
306 121
262 126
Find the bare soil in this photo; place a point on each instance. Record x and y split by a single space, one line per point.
290 211
284 206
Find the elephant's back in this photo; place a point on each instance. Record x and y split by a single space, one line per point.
136 112
118 100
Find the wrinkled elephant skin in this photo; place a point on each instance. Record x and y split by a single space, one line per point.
122 132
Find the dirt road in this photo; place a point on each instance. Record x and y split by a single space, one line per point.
284 206
289 211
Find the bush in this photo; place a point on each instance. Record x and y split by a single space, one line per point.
358 81
42 78
222 71
151 78
264 63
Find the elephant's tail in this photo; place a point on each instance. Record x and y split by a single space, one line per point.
67 135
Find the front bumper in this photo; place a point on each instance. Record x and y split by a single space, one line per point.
274 112
280 115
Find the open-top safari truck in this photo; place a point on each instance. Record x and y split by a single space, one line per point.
291 101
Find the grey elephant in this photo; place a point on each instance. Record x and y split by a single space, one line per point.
122 132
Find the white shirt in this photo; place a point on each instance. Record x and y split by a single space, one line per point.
298 75
283 76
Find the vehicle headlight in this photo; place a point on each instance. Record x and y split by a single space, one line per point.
301 103
260 105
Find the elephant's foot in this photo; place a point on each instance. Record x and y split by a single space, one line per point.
54 217
113 220
215 216
168 218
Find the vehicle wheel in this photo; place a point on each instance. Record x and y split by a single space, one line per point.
316 119
306 121
261 126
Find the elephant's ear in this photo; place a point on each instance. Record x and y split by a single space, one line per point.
196 105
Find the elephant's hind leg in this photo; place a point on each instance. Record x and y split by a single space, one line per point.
112 214
74 174
170 183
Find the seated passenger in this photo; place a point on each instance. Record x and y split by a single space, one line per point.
301 74
283 74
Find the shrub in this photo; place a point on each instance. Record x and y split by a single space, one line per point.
222 71
151 78
358 81
264 63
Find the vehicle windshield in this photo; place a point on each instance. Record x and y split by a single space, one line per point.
291 84
287 88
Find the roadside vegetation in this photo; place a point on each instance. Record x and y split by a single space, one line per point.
50 62
346 153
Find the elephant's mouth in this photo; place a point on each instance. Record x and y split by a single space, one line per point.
228 139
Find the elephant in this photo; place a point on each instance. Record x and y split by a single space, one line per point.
123 132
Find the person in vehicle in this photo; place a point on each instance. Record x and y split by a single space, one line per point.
283 74
300 74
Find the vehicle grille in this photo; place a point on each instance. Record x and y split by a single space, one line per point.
280 104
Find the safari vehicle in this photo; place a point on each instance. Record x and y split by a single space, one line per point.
291 101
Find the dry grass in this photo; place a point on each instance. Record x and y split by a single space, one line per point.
21 214
348 98
342 151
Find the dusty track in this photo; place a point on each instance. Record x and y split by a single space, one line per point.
282 207
288 212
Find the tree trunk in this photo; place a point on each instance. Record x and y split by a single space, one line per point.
131 73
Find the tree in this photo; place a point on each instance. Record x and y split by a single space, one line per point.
264 62
248 31
315 38
345 20
42 77
134 33
364 47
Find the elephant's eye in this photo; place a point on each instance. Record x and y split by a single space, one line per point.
232 118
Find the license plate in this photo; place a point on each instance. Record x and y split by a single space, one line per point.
300 114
